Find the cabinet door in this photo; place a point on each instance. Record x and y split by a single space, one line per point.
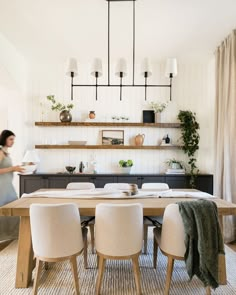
205 183
80 178
29 184
100 181
177 181
152 179
129 179
58 181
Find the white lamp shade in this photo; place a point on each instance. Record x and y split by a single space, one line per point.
171 67
121 67
145 68
31 156
96 67
72 67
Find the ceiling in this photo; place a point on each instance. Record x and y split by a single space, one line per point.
52 30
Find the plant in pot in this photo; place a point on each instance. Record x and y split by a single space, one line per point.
175 164
158 108
65 115
125 166
190 138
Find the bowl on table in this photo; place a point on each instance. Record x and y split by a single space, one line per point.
28 169
70 169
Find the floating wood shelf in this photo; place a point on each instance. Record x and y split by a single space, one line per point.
107 124
98 147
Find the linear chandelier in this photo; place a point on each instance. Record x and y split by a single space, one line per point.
121 67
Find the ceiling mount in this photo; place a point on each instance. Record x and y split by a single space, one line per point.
121 72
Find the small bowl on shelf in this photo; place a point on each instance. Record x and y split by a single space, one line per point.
70 169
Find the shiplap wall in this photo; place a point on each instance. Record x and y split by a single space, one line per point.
193 89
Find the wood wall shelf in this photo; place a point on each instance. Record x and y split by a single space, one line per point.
107 124
98 147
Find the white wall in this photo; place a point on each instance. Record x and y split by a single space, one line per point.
192 90
13 95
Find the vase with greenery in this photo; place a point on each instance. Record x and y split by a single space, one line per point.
190 138
175 164
65 114
125 166
158 108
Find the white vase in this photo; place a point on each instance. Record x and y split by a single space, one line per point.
157 117
125 170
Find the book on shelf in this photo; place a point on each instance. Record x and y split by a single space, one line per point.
175 171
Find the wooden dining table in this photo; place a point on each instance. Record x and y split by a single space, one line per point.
151 207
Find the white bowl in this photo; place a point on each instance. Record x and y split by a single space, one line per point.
29 168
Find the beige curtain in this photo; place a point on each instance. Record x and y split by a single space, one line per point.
225 122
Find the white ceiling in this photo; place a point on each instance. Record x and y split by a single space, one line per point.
57 29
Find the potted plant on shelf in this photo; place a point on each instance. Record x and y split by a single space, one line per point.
175 164
158 108
125 166
190 137
65 115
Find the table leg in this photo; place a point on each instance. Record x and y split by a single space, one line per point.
222 276
25 255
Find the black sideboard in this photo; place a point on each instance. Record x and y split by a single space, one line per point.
33 182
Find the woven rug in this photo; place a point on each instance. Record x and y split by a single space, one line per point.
118 277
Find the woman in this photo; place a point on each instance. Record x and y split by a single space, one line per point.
8 225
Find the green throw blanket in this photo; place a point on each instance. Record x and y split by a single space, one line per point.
203 240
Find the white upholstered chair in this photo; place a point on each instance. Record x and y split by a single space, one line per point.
147 222
170 240
84 186
56 236
119 235
80 185
117 186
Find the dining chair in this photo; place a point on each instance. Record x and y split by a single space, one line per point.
170 239
148 221
119 235
56 236
117 186
84 186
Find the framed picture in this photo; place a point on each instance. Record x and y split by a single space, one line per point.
113 137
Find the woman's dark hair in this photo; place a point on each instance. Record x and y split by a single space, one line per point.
4 135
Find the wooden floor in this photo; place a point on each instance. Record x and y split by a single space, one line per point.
232 245
4 244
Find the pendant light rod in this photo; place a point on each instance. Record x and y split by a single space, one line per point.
133 40
108 49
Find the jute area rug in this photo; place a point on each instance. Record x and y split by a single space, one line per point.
118 277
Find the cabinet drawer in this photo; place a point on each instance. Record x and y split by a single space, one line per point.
178 181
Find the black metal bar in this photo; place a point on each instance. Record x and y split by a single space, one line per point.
108 55
121 75
71 87
96 85
145 85
170 88
123 85
133 41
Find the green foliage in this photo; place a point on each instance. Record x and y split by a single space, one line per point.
190 136
128 163
57 106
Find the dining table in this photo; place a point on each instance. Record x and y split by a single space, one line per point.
153 205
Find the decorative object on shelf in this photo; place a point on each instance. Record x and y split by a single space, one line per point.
158 108
167 139
65 115
77 142
139 139
92 115
175 164
121 69
125 166
190 137
148 116
30 161
70 169
113 137
81 167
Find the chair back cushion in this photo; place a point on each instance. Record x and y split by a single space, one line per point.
80 185
156 185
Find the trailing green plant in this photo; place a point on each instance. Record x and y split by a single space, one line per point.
190 137
57 106
128 163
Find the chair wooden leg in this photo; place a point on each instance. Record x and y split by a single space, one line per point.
169 274
75 274
155 249
145 236
208 290
37 275
91 227
97 261
137 273
85 252
101 267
